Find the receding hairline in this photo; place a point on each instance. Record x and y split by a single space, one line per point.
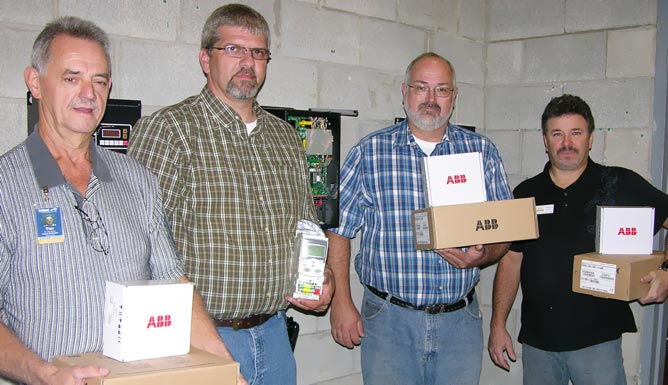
426 56
58 37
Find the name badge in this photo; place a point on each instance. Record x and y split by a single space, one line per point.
49 225
545 209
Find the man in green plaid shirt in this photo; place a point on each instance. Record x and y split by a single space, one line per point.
235 183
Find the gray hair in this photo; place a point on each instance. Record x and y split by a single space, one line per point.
407 78
234 15
71 26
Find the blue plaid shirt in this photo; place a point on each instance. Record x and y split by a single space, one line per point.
381 185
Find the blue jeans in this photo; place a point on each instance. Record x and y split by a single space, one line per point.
263 352
404 347
600 364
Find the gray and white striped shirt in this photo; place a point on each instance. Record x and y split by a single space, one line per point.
52 294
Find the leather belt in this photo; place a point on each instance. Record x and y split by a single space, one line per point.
243 323
431 309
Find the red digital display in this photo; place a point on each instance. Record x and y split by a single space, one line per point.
113 133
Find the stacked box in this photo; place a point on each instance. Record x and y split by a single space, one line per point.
147 319
197 367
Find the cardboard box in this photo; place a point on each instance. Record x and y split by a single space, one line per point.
475 223
624 230
147 319
196 367
453 179
615 276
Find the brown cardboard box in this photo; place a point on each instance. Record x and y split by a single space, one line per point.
196 367
475 223
615 276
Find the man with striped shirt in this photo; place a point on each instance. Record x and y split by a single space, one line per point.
420 321
73 216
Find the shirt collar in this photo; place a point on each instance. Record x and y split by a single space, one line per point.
226 113
46 168
404 136
589 169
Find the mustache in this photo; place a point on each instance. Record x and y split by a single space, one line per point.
568 148
246 71
430 105
85 103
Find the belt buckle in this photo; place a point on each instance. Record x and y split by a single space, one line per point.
236 324
435 309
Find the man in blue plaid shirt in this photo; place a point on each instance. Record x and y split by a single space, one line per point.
420 321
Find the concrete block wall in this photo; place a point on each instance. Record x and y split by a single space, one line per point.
601 51
511 57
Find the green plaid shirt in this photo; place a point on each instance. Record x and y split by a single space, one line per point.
233 199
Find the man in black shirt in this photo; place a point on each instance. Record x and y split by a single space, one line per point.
566 335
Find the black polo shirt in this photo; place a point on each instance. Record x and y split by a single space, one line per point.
553 317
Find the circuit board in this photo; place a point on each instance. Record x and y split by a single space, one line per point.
317 140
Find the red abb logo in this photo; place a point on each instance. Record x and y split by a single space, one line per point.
627 231
161 321
456 179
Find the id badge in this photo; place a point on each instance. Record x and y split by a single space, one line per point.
49 225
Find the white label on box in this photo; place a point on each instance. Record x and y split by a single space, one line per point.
422 228
598 276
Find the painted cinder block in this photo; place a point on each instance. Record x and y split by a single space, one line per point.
433 15
468 57
504 62
141 62
389 46
516 19
623 103
565 57
587 15
380 9
631 53
156 20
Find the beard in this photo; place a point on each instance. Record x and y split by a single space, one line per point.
427 120
243 89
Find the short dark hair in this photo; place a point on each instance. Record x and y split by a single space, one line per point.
567 104
71 26
234 15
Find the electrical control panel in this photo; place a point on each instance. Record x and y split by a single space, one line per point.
320 133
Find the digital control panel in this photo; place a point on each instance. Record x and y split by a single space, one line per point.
114 130
113 136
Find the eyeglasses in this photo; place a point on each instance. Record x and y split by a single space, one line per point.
94 228
440 91
238 51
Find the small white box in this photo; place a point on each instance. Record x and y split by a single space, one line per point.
624 230
147 319
454 179
310 251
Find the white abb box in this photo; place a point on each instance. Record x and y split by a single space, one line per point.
624 230
454 179
147 319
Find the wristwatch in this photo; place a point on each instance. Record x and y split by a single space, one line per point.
664 265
